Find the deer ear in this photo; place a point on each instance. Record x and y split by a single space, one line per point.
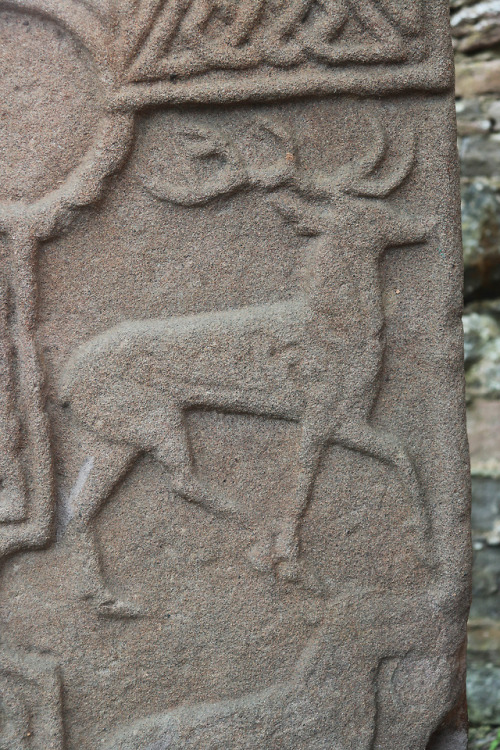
299 213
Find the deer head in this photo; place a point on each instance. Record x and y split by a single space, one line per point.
306 197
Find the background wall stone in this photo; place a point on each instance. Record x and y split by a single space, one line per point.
476 33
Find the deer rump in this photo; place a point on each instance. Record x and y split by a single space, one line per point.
124 383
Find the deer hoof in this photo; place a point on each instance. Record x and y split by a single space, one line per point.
226 508
311 583
295 571
288 571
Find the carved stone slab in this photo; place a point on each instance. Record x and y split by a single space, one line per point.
233 465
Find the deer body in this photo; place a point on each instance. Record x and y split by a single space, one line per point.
186 361
314 359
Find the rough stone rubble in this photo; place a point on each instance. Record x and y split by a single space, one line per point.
476 37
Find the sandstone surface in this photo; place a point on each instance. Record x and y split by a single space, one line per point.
234 482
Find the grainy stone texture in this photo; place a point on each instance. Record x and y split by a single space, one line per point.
234 493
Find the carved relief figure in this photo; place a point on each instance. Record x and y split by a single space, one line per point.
315 360
314 708
131 387
129 42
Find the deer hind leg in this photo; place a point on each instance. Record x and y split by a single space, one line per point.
102 471
172 450
288 541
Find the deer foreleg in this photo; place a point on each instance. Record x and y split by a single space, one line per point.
363 438
102 471
287 547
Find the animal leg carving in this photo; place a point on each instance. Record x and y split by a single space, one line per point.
173 451
280 549
288 541
107 469
362 437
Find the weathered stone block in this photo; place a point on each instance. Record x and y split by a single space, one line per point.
234 485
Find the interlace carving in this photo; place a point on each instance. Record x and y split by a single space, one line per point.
184 38
153 50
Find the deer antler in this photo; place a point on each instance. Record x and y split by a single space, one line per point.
380 187
203 144
324 185
234 172
281 171
362 184
370 161
229 170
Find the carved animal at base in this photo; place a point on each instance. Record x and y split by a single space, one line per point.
337 698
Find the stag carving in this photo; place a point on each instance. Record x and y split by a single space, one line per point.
131 387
